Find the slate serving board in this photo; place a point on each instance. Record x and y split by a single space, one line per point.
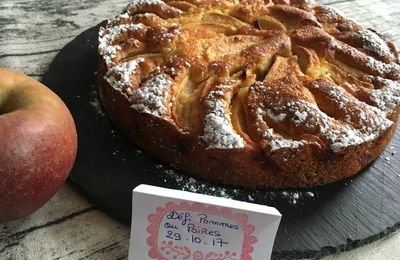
315 222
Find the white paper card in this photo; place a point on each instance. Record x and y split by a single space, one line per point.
177 225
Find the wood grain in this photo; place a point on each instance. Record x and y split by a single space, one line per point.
67 227
32 32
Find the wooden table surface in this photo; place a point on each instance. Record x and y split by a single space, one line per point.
70 226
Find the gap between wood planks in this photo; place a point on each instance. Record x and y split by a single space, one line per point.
27 54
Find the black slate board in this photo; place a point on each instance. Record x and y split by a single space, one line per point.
315 222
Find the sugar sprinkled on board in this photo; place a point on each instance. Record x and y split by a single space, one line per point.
250 197
95 103
152 96
218 130
294 197
190 184
310 194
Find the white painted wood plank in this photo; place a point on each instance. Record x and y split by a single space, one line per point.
67 227
29 27
65 202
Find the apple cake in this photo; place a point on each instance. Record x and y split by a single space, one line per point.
250 93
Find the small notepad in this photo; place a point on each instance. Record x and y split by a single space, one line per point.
173 224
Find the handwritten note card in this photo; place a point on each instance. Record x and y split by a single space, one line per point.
172 224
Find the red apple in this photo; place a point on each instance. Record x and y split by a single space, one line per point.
38 144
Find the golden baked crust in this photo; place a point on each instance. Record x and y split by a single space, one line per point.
250 93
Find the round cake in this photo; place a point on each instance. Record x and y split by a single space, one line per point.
250 93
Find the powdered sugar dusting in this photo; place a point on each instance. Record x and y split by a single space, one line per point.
109 53
342 134
299 117
375 66
382 68
118 18
134 5
120 76
372 42
277 141
371 120
344 137
218 130
143 5
338 135
274 140
329 14
387 98
276 117
107 36
153 96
